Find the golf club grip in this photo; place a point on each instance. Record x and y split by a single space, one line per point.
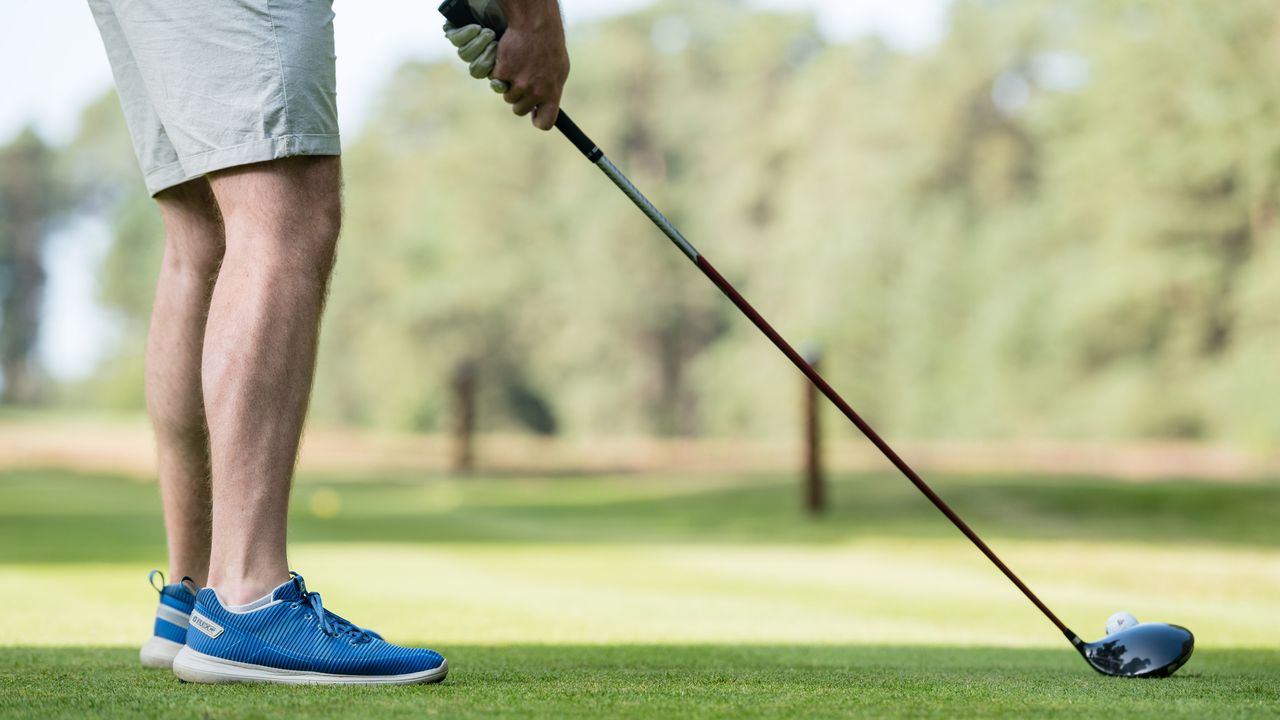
585 145
459 13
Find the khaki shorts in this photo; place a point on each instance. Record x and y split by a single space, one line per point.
212 84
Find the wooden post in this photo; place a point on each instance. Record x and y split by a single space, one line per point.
463 390
815 490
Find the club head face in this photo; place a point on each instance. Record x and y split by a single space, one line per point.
1145 650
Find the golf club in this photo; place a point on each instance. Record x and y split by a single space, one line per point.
1144 650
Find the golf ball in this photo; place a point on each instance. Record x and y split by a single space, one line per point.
1120 621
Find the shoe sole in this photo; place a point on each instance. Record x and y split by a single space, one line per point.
159 653
197 667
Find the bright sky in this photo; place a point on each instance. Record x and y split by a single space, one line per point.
54 65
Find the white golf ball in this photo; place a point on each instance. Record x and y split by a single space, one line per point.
1120 621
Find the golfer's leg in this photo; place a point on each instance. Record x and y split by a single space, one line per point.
192 253
281 219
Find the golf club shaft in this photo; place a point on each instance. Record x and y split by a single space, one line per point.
593 153
459 13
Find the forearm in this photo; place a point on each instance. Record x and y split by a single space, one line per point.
532 15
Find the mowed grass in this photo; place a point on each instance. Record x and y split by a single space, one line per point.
661 596
642 681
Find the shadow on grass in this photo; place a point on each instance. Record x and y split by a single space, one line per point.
667 681
48 516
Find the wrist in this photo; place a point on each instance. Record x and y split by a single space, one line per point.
530 15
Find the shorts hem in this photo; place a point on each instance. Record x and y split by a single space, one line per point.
256 151
164 177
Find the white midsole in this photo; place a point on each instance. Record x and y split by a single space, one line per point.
159 652
196 667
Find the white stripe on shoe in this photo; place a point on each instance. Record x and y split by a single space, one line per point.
173 615
197 667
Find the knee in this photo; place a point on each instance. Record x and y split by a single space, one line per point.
326 226
285 216
305 245
194 239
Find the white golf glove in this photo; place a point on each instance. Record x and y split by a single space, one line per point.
477 46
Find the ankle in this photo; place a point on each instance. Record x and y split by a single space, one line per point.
241 589
179 575
198 573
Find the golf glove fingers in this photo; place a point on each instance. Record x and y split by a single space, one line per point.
482 66
477 46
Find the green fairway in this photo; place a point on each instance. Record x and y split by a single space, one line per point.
666 681
671 596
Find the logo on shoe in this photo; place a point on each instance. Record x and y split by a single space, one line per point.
205 625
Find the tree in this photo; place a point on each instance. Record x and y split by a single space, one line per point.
29 202
1060 221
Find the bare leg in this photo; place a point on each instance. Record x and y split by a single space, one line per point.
282 220
193 250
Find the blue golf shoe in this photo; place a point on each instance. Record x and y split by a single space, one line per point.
289 637
170 631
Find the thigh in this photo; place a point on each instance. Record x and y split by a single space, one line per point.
237 82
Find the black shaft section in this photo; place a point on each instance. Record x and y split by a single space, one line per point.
579 139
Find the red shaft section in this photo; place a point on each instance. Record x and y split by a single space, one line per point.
796 359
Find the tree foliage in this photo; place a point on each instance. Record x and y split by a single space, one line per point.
1060 221
30 200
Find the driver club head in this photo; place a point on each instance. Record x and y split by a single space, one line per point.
1144 650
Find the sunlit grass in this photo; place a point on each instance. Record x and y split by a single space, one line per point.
874 591
680 560
686 596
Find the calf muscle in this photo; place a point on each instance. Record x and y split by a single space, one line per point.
193 251
282 223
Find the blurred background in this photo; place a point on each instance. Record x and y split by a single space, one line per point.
1035 242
